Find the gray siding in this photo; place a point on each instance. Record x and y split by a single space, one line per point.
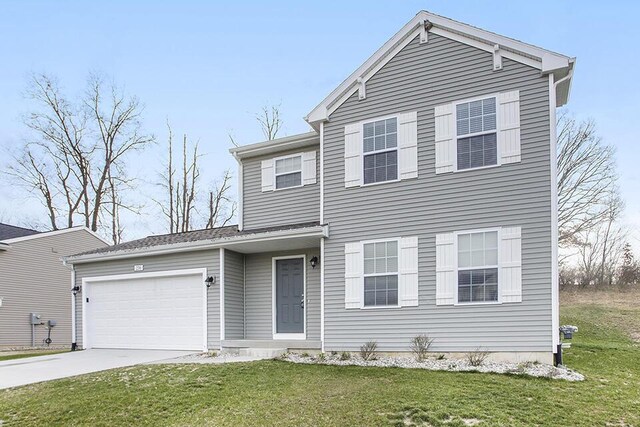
280 207
233 295
34 279
258 283
209 259
417 79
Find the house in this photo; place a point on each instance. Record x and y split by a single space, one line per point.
33 280
423 202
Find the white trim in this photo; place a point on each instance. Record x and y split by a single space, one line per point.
240 192
222 314
555 296
322 294
73 306
55 233
276 174
4 246
322 173
545 60
498 230
267 147
288 336
86 281
315 231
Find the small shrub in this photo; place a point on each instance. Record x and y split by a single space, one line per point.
321 357
345 355
213 354
334 353
368 350
420 346
477 357
305 355
440 357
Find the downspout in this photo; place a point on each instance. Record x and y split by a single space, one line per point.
322 239
555 290
240 192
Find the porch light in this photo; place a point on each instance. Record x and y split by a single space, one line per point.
210 281
75 290
313 261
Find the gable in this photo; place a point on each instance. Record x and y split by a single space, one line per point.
424 26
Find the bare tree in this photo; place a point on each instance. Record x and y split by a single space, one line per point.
270 121
78 149
221 207
586 178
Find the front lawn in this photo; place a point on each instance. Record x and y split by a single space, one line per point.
30 354
278 393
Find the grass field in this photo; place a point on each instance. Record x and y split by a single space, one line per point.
278 393
29 354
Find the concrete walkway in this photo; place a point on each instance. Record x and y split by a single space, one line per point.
36 369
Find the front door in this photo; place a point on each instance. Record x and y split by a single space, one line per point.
290 296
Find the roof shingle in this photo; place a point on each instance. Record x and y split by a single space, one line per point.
11 232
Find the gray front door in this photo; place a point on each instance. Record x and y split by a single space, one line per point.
290 296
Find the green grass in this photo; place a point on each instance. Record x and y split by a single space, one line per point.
33 354
278 393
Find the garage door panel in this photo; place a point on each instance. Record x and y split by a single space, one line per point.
147 313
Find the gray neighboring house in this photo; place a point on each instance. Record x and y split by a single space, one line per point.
33 279
422 202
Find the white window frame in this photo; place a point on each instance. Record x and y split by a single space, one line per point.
365 275
276 175
457 268
386 150
470 135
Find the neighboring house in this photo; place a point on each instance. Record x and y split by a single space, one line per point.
423 202
33 279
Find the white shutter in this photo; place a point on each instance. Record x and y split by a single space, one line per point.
510 276
408 283
509 126
445 138
353 275
408 145
445 269
267 175
353 155
309 168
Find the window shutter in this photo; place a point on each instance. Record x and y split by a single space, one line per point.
267 175
353 155
445 269
445 138
509 126
353 275
510 276
309 168
408 145
408 283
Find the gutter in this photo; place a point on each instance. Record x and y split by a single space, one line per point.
4 246
226 242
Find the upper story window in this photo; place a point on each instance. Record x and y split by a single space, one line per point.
381 273
288 171
380 151
476 132
478 267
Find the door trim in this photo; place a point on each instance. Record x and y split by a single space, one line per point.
86 281
274 319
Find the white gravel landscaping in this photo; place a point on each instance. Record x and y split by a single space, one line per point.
434 364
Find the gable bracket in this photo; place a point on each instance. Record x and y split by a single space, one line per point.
425 26
497 58
362 88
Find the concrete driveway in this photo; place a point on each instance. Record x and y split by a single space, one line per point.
45 368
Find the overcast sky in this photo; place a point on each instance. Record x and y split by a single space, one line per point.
209 67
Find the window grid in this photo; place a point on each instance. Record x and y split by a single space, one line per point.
380 151
478 267
380 273
476 130
288 172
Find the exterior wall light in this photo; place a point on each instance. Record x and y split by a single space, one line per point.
313 261
210 281
75 290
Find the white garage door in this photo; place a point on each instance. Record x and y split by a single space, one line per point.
145 313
